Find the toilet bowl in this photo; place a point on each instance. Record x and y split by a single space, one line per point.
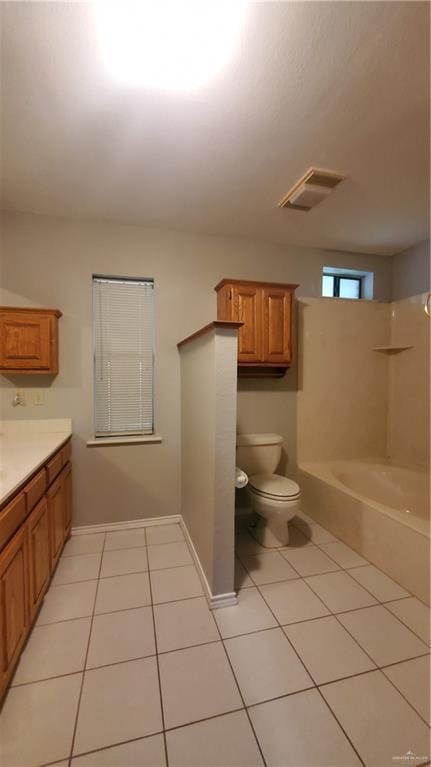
274 498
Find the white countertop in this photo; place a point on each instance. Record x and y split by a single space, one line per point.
25 446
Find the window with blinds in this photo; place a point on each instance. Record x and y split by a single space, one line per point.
123 356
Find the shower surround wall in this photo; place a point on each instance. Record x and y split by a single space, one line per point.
354 402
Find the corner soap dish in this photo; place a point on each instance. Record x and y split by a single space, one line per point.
392 349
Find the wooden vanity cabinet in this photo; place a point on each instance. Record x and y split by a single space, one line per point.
34 526
29 340
14 608
265 341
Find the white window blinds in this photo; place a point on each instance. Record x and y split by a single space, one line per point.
123 356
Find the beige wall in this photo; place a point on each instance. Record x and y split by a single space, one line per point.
49 262
343 384
409 383
208 431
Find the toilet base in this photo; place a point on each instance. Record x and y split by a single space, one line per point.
272 533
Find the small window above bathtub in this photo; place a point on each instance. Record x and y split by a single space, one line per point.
346 283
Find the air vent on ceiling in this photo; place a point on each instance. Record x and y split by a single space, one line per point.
314 186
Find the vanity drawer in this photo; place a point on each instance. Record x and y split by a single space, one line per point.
11 517
35 489
66 452
54 467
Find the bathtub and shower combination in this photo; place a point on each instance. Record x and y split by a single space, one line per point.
379 509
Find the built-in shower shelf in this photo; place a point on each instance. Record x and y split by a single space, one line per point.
393 349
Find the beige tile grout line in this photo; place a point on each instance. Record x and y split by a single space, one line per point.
86 658
162 709
312 678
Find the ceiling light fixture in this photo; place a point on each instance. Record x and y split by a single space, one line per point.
168 44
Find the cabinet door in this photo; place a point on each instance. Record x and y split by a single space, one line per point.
13 603
57 515
247 308
25 341
68 500
39 551
277 325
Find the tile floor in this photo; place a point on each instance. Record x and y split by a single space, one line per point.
324 661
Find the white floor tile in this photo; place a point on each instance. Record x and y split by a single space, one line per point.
146 752
268 568
412 678
124 562
297 539
169 555
340 592
197 683
183 624
310 561
316 533
382 636
242 579
82 567
379 722
62 603
175 583
91 543
120 636
53 650
300 731
37 721
293 601
250 614
343 555
246 544
226 741
125 539
376 582
118 703
327 650
414 614
265 666
164 534
123 592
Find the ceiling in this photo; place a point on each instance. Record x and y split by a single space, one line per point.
337 85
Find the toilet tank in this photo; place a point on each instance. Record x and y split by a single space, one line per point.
258 453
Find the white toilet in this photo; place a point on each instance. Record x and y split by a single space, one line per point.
274 498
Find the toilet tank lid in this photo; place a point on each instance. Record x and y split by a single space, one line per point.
244 440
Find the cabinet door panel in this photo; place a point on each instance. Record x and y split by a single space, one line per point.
68 500
14 606
39 553
277 341
57 516
25 342
247 301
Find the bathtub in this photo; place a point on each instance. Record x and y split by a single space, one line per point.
379 509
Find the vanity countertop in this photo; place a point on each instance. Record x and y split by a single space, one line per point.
25 446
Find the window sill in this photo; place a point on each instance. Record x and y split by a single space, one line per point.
111 441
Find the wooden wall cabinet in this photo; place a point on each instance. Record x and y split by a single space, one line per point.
29 340
265 342
34 526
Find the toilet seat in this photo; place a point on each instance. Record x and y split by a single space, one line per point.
274 487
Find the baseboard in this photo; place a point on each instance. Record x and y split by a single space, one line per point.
215 601
111 527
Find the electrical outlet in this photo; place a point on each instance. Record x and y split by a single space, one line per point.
38 398
18 398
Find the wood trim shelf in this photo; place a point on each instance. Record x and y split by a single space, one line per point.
257 284
221 324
